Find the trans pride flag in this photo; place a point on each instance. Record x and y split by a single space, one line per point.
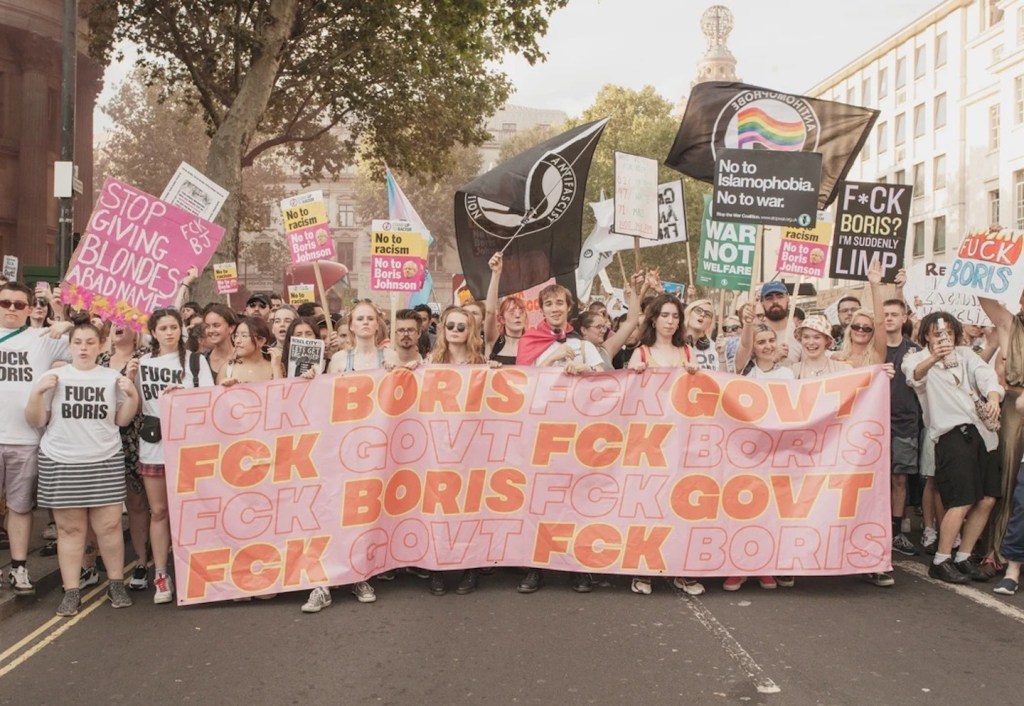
400 209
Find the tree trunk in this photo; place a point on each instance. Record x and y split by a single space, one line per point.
230 142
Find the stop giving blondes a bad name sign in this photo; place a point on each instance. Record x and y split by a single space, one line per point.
294 483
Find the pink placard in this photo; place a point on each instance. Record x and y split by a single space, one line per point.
134 253
806 259
311 244
295 483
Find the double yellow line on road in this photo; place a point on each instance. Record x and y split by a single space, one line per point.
52 629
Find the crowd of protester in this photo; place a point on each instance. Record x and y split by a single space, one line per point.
80 432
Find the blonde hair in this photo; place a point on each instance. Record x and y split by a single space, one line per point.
474 342
845 352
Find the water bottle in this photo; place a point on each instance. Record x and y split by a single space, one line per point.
950 361
991 423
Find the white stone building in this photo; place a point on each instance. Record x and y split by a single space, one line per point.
950 88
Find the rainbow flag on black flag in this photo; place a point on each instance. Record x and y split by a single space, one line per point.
725 115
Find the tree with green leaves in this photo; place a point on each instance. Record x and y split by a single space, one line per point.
154 131
405 79
642 124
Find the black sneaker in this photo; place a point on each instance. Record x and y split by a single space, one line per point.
437 586
971 570
387 576
140 578
947 571
417 572
530 582
904 546
581 583
931 547
468 583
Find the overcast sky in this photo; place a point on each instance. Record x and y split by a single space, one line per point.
788 45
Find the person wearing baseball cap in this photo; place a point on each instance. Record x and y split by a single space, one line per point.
775 299
258 305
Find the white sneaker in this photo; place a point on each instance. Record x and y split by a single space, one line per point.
364 592
18 579
88 577
319 599
50 533
691 587
641 586
164 586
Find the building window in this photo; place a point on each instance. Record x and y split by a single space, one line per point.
901 73
991 15
919 239
508 128
865 92
883 83
939 175
851 96
865 152
883 138
919 120
346 215
938 235
918 179
993 127
900 177
940 111
919 62
883 179
1020 26
993 206
940 50
1018 100
346 253
1018 198
900 129
435 260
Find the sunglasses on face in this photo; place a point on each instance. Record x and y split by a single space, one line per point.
452 326
703 312
730 329
17 306
859 328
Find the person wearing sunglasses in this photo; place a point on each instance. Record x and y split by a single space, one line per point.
458 343
699 320
728 343
25 354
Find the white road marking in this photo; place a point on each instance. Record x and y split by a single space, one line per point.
973 594
731 646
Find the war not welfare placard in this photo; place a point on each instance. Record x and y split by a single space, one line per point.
767 187
989 265
871 221
726 259
398 257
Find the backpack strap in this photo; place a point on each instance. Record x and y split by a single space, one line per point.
193 365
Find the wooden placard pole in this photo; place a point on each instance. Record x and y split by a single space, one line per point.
393 306
756 264
792 308
721 312
636 254
323 297
622 270
689 265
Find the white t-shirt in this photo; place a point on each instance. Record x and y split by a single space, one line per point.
586 353
82 410
780 373
706 360
24 357
156 375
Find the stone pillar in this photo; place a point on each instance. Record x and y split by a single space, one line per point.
38 63
90 82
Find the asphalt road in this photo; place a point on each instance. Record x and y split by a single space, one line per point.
826 641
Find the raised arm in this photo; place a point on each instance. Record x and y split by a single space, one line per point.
875 279
491 304
746 346
184 287
636 290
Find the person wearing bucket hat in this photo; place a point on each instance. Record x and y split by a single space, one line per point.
775 299
699 320
815 337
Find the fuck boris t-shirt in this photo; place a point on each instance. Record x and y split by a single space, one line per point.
155 375
82 426
24 356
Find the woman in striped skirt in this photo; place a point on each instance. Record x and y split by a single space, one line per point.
81 462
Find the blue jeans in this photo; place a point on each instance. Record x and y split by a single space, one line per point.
1012 546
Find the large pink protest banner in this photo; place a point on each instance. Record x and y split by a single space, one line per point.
134 254
292 484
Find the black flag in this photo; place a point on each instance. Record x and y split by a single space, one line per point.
533 204
722 115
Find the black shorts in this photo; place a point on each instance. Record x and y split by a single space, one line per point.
965 472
